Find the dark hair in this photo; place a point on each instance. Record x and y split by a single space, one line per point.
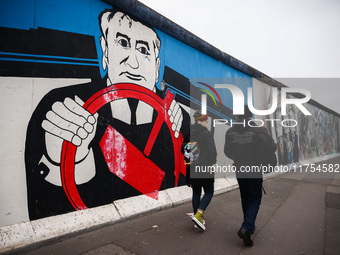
112 12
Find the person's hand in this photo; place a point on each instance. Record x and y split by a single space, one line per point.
69 121
176 117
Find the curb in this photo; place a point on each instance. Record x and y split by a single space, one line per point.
25 234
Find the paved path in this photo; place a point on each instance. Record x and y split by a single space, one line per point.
299 215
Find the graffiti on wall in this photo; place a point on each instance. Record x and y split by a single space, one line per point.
309 137
316 134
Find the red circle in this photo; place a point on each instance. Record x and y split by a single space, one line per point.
92 105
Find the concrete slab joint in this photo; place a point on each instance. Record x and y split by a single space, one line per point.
333 197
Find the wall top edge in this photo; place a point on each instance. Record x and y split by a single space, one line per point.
155 19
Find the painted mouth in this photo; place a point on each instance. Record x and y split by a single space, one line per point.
134 77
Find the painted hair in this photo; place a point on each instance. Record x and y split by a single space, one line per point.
106 16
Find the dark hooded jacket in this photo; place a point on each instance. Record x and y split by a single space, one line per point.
207 156
248 145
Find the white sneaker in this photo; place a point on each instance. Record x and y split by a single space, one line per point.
195 226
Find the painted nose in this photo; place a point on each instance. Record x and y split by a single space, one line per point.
132 61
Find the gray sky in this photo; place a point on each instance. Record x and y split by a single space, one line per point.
281 38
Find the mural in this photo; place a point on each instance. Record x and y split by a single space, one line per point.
118 135
123 141
114 137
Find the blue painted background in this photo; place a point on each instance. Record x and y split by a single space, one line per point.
81 16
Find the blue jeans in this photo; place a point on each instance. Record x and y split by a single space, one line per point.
197 203
251 195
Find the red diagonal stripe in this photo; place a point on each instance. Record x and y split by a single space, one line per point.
129 163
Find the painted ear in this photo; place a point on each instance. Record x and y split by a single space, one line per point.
105 54
157 69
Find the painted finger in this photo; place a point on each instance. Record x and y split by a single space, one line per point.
61 123
176 108
171 118
76 140
90 118
88 127
171 108
95 117
178 115
173 127
61 133
60 109
82 133
174 112
179 123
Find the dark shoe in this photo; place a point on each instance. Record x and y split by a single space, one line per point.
246 236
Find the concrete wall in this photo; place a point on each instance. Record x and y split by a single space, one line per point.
60 156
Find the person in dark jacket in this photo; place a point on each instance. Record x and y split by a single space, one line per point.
198 175
247 145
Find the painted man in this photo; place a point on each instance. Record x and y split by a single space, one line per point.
130 56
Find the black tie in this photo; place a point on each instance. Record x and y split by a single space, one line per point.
133 107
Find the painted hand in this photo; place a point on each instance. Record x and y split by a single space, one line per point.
69 121
176 117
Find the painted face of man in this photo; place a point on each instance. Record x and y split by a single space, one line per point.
130 52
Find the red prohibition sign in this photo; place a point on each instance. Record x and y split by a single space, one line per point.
98 100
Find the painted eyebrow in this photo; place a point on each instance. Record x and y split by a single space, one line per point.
143 42
122 35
